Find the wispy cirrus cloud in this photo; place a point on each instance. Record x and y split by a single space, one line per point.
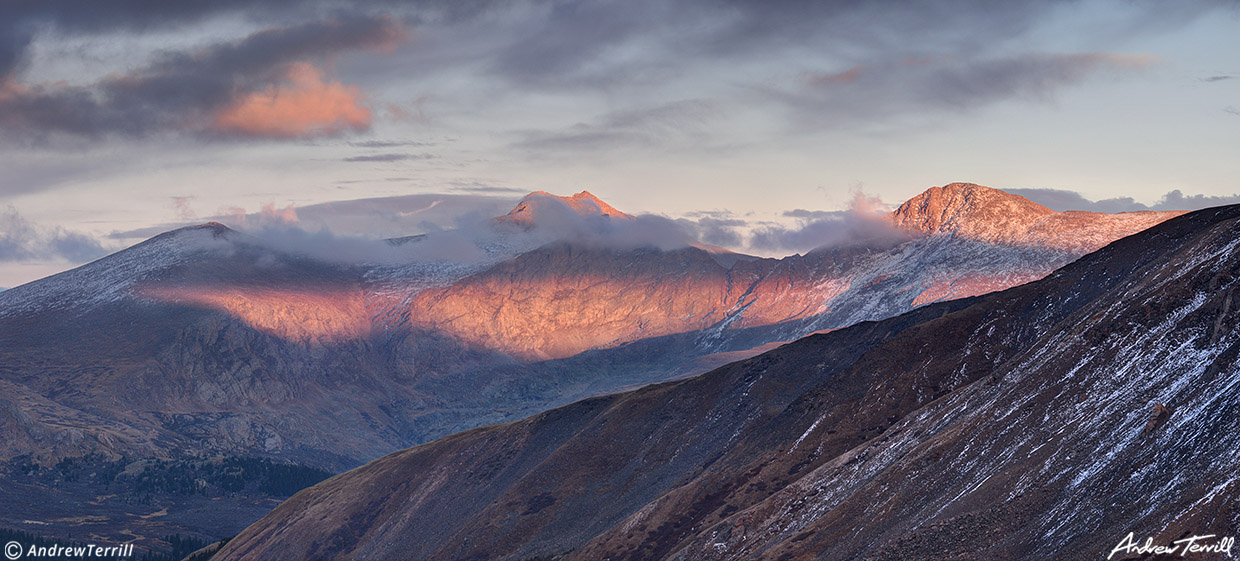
395 157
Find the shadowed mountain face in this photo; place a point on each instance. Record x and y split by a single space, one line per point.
205 342
1046 421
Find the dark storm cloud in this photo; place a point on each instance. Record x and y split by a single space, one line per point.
389 157
22 240
183 87
1063 199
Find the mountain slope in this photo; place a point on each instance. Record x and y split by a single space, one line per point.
205 343
1017 425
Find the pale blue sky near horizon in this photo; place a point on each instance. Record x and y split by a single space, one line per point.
117 119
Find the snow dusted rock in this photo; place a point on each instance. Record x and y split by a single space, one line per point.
989 215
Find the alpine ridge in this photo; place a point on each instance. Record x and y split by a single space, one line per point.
1046 421
207 343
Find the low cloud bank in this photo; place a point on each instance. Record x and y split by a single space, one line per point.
864 223
23 240
1064 199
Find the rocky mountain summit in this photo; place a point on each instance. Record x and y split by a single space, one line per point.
541 206
974 212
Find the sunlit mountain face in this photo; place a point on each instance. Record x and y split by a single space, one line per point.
576 293
206 342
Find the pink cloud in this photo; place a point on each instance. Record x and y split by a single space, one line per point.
286 215
845 77
304 106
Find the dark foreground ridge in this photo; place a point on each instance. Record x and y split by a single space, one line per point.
1047 421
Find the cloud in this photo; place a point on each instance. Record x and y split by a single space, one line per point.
633 51
482 188
910 86
388 143
1063 199
22 240
553 219
723 232
716 227
262 85
304 107
864 223
647 127
181 206
377 217
389 157
472 236
1219 78
1176 200
273 215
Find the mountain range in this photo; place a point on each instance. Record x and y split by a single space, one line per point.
210 345
1053 420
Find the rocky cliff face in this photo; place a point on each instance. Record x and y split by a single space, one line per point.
1046 421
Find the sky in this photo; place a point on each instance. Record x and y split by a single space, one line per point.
747 122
